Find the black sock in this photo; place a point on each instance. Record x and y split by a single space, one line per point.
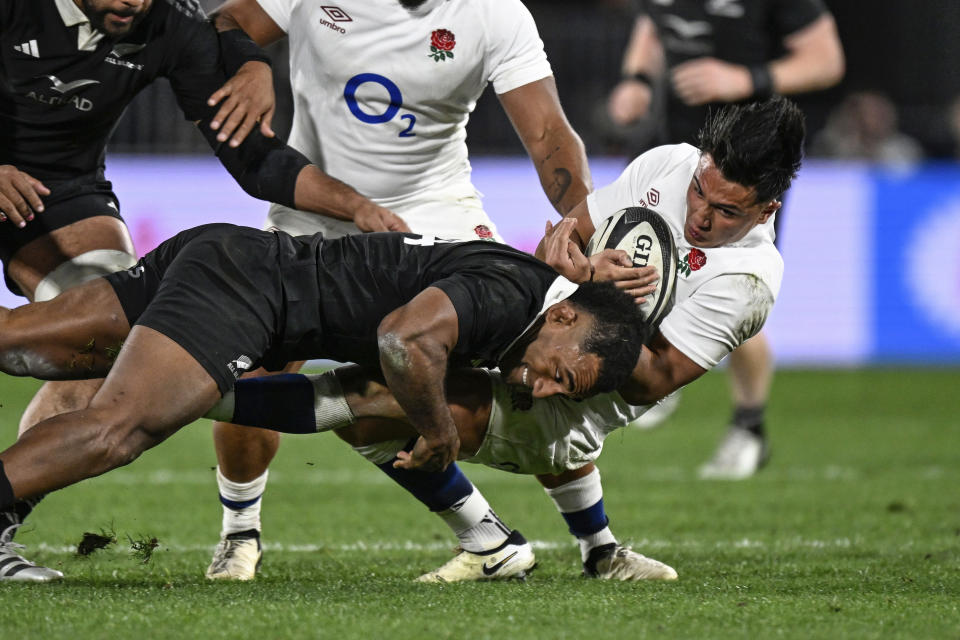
7 499
16 516
749 418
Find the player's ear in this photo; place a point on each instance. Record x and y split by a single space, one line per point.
772 207
562 313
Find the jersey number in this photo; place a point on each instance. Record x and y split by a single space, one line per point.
396 101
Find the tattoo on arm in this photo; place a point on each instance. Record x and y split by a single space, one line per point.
557 189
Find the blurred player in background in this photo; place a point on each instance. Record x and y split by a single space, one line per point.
68 69
701 54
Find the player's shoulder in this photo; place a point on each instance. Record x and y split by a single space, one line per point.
668 158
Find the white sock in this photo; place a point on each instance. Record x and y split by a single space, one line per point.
475 524
580 495
248 494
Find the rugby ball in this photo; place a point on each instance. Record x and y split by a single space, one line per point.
646 237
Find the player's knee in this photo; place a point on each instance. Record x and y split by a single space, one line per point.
119 439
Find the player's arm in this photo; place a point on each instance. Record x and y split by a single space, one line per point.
661 369
642 64
557 152
814 60
247 96
415 342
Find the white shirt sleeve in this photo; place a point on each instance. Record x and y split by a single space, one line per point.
279 11
721 315
515 48
628 189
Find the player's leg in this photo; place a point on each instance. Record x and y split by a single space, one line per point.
489 549
243 457
42 267
355 403
154 388
744 449
578 495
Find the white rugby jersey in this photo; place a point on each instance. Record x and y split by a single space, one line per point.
724 294
382 94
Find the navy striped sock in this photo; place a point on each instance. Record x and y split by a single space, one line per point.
587 521
439 491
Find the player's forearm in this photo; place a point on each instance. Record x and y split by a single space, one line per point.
815 59
561 162
318 192
643 54
414 370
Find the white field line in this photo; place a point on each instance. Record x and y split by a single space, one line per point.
372 477
542 545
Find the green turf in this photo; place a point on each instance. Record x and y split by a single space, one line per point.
852 531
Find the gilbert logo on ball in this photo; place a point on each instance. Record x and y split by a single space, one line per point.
646 237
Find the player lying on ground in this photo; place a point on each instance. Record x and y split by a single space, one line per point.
218 300
718 201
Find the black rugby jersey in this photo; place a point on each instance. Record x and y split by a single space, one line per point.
497 292
58 105
744 32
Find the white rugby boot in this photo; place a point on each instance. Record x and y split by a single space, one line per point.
615 562
237 557
15 568
512 559
740 455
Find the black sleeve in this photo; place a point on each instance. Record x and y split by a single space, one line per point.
493 309
266 168
790 16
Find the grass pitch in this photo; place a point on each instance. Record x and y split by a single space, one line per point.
852 531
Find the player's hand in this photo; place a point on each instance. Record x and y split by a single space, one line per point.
704 80
615 265
563 254
19 195
629 101
244 99
433 455
373 217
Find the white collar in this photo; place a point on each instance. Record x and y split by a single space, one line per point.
87 37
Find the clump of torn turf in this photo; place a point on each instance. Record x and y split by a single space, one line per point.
142 548
95 541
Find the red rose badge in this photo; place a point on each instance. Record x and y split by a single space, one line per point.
442 43
693 261
483 232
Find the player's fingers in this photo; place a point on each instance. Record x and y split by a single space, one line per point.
397 224
219 95
10 210
226 108
243 131
230 117
265 123
30 199
38 186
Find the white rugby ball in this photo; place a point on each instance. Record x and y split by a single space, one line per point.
646 237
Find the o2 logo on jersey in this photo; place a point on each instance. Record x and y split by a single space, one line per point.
396 101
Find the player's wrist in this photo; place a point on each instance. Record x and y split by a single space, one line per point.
761 81
639 76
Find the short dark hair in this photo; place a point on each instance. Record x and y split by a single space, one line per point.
618 332
756 144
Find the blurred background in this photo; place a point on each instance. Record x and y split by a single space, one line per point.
871 234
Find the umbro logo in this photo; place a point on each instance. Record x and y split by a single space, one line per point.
66 87
30 48
336 14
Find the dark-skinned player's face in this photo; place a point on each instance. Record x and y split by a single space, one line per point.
554 363
115 18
